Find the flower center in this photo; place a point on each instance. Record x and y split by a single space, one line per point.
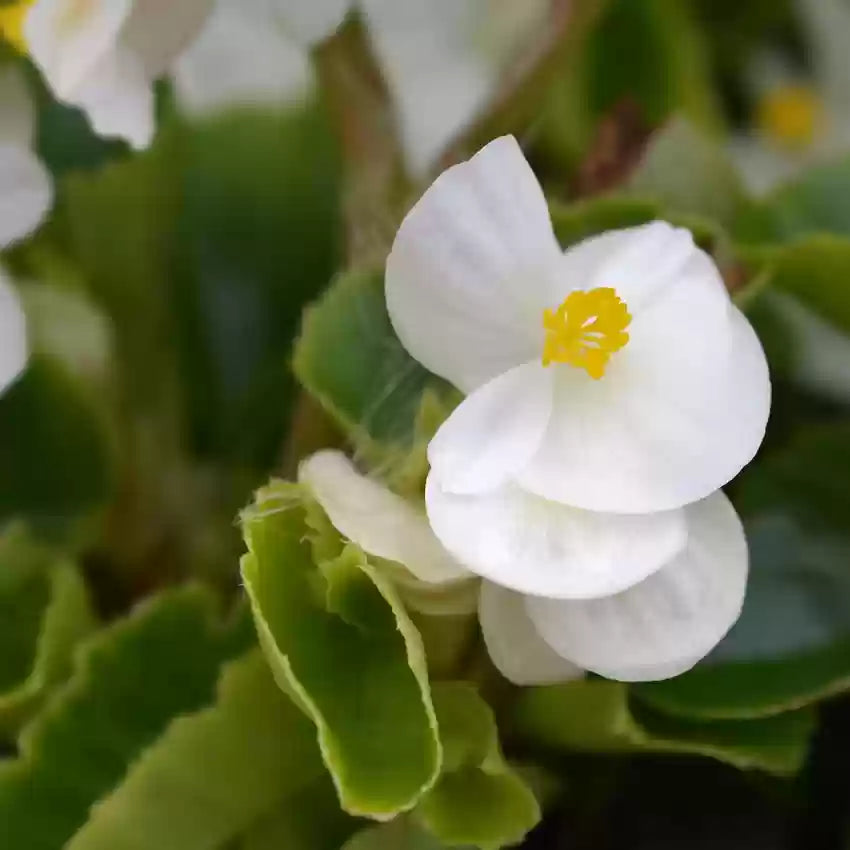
791 116
586 330
12 23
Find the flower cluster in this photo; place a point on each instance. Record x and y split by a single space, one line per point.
611 391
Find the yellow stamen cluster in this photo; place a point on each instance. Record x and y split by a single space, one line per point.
791 116
12 23
586 330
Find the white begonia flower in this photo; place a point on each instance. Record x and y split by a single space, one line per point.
607 387
799 120
657 629
104 55
442 59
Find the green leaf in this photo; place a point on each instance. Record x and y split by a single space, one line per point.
309 819
339 641
203 251
258 238
597 717
211 775
791 645
376 396
55 458
128 683
807 479
478 799
688 173
817 202
400 834
44 612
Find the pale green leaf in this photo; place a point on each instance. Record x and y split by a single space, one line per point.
212 774
340 643
478 799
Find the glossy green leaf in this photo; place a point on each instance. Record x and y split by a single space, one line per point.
55 456
478 799
807 479
340 643
128 683
595 716
44 612
791 645
211 775
350 359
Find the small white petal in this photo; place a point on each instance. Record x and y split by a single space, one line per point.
68 40
467 277
118 99
17 113
494 432
513 643
241 57
157 31
376 519
664 625
25 193
310 21
679 412
13 334
544 548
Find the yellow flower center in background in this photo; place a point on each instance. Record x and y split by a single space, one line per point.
12 23
791 116
586 330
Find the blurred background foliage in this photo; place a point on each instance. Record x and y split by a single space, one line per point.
174 370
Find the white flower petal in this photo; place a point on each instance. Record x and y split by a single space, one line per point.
118 99
241 57
544 548
681 409
513 643
13 333
494 432
664 625
443 61
17 114
68 40
438 79
467 275
158 30
25 193
310 21
376 519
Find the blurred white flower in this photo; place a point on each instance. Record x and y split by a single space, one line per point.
442 59
654 630
25 189
25 196
244 55
799 120
104 55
